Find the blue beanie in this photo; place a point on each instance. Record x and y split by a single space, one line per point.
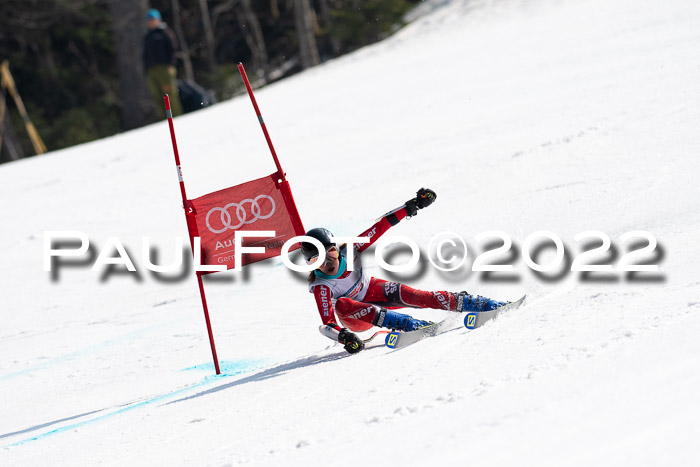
153 14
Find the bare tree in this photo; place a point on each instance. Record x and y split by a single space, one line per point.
303 20
182 47
10 148
208 35
275 8
328 24
248 22
128 23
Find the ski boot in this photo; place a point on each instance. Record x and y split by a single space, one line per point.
392 320
468 302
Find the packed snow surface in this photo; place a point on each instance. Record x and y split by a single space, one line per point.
523 116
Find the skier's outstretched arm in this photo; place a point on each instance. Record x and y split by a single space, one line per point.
424 197
330 328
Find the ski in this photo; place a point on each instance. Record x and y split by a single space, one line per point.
398 339
371 338
473 320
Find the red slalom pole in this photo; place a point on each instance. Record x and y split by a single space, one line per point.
191 229
282 182
262 122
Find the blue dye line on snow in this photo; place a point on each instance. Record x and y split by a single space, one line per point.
91 349
228 369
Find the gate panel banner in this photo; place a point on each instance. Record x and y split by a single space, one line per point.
254 205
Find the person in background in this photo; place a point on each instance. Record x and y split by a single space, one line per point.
159 55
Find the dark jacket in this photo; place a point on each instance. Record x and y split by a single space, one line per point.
159 47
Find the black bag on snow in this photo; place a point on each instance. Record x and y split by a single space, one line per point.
193 96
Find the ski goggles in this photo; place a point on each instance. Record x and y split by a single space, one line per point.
332 254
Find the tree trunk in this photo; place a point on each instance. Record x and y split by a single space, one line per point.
328 26
128 23
10 148
308 49
183 49
208 35
254 38
275 9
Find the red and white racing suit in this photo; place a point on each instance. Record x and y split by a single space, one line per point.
355 297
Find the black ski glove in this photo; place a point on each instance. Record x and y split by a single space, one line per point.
424 197
352 343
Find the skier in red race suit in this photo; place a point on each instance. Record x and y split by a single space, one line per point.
360 301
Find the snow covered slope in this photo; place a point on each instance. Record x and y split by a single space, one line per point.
523 116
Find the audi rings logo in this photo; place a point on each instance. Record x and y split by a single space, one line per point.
241 214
